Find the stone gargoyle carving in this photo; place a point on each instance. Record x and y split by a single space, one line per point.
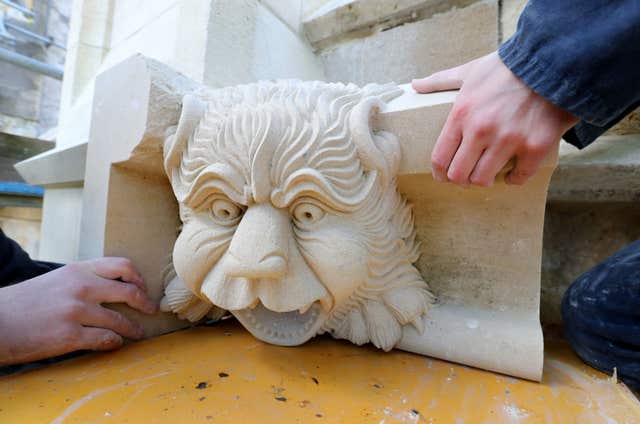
292 220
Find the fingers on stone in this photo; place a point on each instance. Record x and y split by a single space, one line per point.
74 311
132 295
465 160
118 268
445 149
449 79
92 338
526 164
101 317
492 161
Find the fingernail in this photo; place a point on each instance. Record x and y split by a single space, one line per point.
111 341
438 178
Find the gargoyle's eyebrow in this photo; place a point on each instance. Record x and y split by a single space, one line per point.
341 194
216 178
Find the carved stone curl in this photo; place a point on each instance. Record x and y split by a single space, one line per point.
291 216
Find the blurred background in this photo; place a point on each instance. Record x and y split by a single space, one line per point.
33 37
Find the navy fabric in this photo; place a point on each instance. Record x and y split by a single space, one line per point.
601 315
16 265
582 55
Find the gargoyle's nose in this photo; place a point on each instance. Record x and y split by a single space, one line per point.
260 245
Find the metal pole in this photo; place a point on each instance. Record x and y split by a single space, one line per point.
24 10
31 64
48 41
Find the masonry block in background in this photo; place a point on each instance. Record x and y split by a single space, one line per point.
415 49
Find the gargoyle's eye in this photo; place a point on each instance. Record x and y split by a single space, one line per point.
306 213
225 211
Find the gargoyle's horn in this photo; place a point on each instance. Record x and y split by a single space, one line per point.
174 145
380 151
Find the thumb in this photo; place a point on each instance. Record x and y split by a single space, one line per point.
449 79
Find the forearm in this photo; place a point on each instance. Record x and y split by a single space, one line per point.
581 55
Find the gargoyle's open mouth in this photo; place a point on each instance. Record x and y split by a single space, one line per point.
283 328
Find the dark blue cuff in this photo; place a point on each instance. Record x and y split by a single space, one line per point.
581 55
558 89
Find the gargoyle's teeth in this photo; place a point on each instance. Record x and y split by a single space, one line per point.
305 308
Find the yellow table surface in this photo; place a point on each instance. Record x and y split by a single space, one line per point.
221 374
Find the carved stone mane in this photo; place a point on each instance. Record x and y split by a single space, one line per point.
291 215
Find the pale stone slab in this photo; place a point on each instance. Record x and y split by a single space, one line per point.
630 124
57 166
288 11
247 42
480 247
415 49
134 103
481 250
60 233
510 13
608 170
336 19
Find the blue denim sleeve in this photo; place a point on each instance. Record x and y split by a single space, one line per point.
582 55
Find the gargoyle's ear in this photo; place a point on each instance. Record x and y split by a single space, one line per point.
378 151
174 144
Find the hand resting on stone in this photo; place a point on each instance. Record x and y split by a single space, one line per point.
494 119
61 311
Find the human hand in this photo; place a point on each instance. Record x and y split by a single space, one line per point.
60 311
495 118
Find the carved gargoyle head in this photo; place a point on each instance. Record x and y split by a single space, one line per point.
291 216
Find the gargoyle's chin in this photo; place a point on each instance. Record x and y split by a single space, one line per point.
283 328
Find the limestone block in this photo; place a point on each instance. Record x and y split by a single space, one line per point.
60 233
510 13
130 16
608 170
57 166
248 42
630 124
128 209
311 7
485 270
329 21
416 49
479 251
157 38
288 11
